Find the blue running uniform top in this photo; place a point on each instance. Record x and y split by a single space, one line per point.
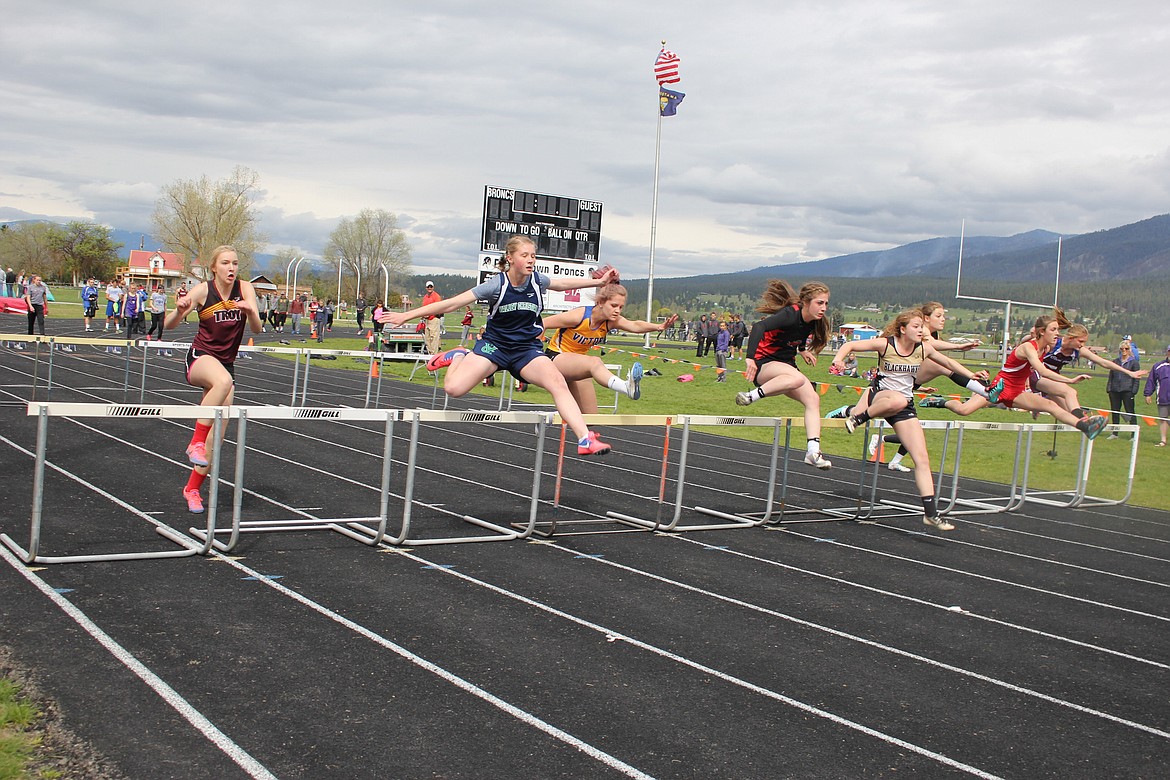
514 316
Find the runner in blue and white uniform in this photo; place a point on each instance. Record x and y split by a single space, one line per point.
512 337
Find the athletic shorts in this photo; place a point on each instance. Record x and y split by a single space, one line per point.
194 354
511 359
761 363
907 412
1164 410
737 341
112 309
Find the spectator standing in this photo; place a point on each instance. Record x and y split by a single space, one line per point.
1122 387
130 312
466 324
114 295
89 296
140 318
722 347
36 295
264 303
1158 385
158 310
296 308
739 331
10 283
321 319
376 315
712 332
700 335
359 310
282 305
432 337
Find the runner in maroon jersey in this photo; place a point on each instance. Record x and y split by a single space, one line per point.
225 305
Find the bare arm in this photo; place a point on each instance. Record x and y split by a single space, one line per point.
565 319
561 283
459 301
195 297
1088 354
849 347
641 326
1029 353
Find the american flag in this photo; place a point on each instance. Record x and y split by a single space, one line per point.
666 68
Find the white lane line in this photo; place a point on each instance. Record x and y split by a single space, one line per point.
611 636
853 638
168 694
987 577
916 600
468 687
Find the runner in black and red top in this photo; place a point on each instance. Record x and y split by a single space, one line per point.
226 304
795 325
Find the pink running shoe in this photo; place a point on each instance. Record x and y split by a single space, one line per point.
194 501
197 453
595 447
444 359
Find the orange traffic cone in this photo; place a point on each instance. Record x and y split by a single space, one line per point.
250 342
374 369
879 455
313 331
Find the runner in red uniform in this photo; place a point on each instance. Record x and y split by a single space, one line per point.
226 304
1015 374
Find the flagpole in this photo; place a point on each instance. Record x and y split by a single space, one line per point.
654 210
653 225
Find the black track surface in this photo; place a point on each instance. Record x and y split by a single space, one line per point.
1030 644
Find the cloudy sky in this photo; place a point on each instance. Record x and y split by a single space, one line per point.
810 129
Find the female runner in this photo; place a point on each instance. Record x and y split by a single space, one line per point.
796 324
1066 351
1015 374
225 305
511 338
587 326
904 353
935 318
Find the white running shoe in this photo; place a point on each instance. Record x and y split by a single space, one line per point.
892 466
743 399
940 523
817 459
871 450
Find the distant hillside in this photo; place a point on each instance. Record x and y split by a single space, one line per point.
911 258
1132 251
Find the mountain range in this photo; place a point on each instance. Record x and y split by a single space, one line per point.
1134 251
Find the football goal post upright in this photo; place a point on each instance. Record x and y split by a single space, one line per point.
1007 302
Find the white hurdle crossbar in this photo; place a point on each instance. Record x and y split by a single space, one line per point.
43 411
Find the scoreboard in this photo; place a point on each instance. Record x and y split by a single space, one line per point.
562 228
566 231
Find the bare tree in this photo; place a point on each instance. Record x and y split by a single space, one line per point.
194 217
364 244
32 247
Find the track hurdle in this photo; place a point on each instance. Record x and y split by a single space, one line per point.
778 463
1019 492
500 533
43 411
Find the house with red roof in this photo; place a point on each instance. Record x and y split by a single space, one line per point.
155 268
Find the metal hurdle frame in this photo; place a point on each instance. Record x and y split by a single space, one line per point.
343 526
499 533
44 410
768 517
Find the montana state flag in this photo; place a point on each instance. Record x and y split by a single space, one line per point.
668 101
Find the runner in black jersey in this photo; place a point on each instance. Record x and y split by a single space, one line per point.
795 325
226 304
